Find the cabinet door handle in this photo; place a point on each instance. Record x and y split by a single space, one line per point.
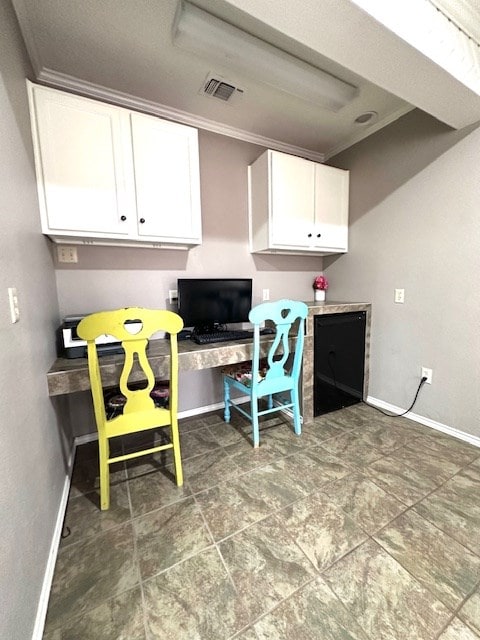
309 235
319 235
123 218
142 220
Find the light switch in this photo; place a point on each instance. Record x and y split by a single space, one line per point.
400 296
13 303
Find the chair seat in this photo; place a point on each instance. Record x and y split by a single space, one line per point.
115 400
242 372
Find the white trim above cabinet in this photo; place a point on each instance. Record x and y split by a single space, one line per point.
110 176
297 206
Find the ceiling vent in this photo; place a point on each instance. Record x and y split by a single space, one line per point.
215 86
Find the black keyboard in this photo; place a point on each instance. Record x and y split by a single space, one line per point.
221 336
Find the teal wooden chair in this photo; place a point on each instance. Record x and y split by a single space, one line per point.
275 377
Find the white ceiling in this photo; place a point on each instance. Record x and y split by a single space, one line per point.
122 51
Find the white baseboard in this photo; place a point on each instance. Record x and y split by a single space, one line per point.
207 408
438 426
88 437
188 413
52 555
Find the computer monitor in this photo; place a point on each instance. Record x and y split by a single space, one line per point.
205 303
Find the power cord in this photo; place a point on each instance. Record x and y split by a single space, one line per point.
398 415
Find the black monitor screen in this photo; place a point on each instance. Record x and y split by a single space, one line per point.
211 301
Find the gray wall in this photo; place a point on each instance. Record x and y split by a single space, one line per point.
109 277
415 224
32 467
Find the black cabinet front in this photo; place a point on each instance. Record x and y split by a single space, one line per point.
338 360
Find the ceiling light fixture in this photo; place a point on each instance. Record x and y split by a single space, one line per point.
201 33
369 117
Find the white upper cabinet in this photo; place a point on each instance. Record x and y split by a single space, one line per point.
297 206
167 179
107 175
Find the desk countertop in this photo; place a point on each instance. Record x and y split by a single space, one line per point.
71 375
68 375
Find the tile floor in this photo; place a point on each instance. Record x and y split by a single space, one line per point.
365 527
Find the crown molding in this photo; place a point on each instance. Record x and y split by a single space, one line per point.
27 34
91 90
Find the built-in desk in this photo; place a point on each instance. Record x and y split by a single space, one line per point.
71 375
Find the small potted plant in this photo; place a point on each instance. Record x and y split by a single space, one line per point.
320 285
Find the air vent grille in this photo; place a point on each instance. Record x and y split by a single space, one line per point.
219 89
215 86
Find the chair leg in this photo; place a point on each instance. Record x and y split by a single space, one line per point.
254 414
270 401
226 399
177 456
297 424
103 454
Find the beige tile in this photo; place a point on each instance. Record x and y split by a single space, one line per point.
84 519
232 506
90 572
366 503
438 562
455 509
322 530
209 469
456 630
312 613
470 612
118 618
353 449
169 535
403 482
263 560
387 602
194 599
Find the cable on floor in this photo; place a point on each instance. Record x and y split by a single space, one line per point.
399 415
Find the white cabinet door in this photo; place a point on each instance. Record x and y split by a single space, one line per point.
292 182
167 185
80 169
297 206
331 207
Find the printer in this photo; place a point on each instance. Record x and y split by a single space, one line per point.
71 346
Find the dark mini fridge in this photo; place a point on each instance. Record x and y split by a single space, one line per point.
338 360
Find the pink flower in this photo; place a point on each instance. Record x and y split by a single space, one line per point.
321 283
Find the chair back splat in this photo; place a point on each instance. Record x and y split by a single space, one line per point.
275 377
133 327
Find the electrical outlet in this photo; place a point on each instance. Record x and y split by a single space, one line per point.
172 295
67 254
266 295
427 373
400 296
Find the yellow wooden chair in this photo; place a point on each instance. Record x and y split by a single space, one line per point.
139 412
